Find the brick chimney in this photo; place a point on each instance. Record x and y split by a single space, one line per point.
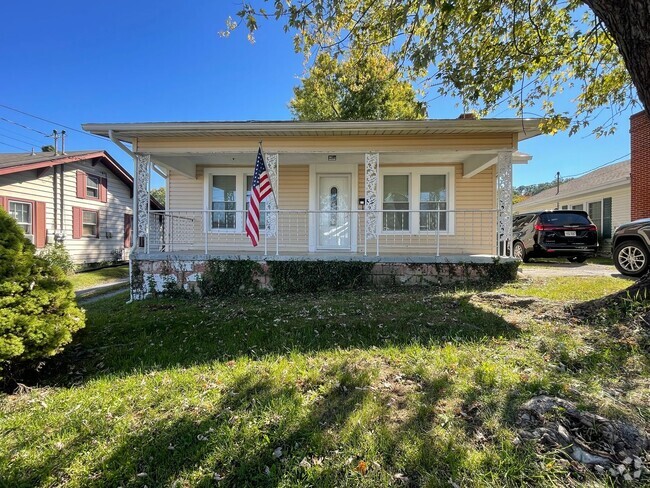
640 165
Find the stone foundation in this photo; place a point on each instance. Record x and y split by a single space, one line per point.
176 272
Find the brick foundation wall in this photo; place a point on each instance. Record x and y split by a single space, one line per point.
640 165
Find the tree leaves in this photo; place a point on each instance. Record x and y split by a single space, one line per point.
490 54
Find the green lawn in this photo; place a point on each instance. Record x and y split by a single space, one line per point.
566 288
89 279
345 389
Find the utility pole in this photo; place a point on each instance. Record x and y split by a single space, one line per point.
557 189
63 142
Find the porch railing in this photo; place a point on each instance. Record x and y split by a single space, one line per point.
415 232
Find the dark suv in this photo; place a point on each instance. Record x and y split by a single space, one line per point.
631 243
554 233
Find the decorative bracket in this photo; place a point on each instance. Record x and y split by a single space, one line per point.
143 178
372 180
504 203
272 161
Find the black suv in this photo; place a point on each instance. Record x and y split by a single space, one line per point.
554 233
631 243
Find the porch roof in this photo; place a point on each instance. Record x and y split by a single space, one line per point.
129 132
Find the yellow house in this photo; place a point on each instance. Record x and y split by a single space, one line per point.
427 190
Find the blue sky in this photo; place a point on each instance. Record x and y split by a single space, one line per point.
123 61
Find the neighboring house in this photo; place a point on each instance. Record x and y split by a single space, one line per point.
429 191
82 199
640 170
603 193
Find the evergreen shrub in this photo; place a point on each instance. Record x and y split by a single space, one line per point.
38 313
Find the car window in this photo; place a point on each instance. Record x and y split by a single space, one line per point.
564 218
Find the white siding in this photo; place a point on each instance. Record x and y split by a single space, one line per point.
111 214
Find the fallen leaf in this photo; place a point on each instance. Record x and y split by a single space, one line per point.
362 468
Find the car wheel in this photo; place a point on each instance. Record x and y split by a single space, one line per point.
631 258
519 251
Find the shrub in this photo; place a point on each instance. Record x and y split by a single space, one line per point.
309 276
38 313
226 277
57 255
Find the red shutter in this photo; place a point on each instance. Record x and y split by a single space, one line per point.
3 203
103 183
128 230
76 223
81 184
40 232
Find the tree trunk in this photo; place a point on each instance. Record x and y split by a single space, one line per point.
628 21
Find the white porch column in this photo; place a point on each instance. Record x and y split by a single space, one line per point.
371 207
504 203
272 161
141 197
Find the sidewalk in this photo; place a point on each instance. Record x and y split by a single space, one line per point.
87 295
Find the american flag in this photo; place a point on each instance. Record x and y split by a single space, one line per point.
260 189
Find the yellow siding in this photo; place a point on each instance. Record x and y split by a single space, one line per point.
474 232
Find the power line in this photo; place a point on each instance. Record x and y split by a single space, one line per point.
598 167
11 145
13 133
15 139
24 126
52 122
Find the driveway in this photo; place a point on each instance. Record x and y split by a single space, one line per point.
550 269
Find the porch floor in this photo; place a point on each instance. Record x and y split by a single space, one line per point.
383 258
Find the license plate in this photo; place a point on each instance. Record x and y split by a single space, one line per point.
570 233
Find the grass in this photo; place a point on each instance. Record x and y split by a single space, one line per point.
97 277
567 288
343 389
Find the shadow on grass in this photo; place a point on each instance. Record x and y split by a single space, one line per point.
237 437
157 334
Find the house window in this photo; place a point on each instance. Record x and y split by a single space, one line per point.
224 202
433 200
249 184
577 207
22 212
92 186
565 207
396 203
89 220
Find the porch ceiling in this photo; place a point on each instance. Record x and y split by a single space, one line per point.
474 161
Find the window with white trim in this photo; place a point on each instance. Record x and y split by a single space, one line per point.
433 198
89 223
22 213
227 193
92 186
223 202
396 202
418 200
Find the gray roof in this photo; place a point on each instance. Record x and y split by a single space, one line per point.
608 176
9 160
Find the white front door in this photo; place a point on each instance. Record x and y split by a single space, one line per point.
334 220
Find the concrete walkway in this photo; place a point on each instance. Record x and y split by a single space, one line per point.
550 269
89 295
